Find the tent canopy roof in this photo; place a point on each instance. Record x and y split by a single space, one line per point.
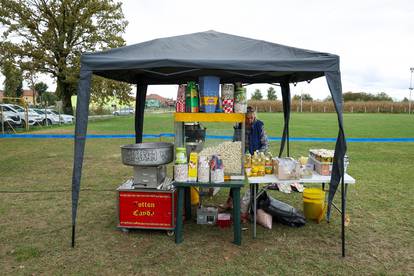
178 59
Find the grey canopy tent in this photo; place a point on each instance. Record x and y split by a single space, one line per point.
178 59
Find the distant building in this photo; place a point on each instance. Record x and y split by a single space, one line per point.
154 100
29 96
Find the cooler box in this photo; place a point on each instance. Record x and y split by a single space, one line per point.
146 208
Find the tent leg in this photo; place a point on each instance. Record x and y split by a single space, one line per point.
286 115
73 235
139 111
343 203
82 108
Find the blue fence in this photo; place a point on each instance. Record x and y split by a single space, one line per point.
222 137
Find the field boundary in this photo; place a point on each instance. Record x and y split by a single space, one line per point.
222 137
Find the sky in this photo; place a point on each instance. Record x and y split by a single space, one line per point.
374 39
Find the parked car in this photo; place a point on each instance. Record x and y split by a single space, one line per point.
64 118
48 117
9 117
33 117
123 111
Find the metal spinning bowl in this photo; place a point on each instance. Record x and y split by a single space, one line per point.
147 154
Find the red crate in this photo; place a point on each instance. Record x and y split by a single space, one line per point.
147 208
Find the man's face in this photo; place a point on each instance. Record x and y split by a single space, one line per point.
250 117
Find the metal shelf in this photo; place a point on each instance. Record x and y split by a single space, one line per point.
181 118
210 117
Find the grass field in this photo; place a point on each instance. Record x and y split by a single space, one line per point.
35 209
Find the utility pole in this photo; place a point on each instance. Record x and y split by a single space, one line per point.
411 90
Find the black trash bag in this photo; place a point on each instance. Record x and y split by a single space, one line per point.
280 211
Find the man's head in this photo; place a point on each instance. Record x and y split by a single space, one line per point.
250 116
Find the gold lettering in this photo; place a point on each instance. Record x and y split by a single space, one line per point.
140 213
144 204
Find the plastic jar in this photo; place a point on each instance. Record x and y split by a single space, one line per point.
180 156
203 170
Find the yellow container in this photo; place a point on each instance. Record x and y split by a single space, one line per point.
314 203
195 196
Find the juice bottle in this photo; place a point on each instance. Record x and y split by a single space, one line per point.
269 164
262 165
248 164
255 164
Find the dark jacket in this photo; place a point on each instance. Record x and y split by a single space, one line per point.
255 141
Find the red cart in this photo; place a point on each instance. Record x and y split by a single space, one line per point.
146 208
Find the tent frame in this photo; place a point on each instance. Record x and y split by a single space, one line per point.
176 66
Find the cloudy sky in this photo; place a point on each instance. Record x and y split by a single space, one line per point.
375 39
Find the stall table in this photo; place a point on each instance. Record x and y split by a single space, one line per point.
271 178
234 185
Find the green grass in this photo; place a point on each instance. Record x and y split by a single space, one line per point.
35 223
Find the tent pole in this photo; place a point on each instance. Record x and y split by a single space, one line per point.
286 114
82 110
343 207
139 111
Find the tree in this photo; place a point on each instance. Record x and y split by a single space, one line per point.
405 100
362 96
257 95
382 96
49 98
305 97
271 94
40 88
51 35
104 89
13 82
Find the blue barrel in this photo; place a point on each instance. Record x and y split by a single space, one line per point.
209 92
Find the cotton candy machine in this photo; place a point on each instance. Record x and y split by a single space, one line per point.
149 161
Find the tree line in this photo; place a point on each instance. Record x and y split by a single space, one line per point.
49 36
347 96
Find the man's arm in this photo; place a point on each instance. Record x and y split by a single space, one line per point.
263 140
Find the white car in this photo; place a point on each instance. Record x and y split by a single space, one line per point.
64 118
48 117
123 111
9 117
33 117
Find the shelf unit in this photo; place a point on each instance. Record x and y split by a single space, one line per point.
181 118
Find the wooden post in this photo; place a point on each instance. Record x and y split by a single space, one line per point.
352 109
324 109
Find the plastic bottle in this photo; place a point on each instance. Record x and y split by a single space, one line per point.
269 164
255 164
262 164
248 164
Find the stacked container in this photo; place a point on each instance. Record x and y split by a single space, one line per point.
180 104
227 97
240 100
209 92
191 98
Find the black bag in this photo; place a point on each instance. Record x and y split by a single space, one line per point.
280 211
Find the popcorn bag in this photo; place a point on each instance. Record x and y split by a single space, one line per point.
180 104
228 106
